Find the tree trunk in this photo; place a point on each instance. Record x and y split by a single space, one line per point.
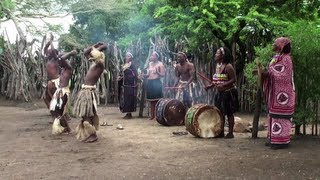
317 116
315 122
4 81
297 130
103 87
105 83
257 111
142 99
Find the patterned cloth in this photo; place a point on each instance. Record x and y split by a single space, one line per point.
185 95
281 42
59 100
280 97
279 128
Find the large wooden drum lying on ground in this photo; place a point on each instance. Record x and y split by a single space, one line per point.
170 112
203 121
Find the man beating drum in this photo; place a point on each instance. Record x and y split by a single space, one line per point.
184 72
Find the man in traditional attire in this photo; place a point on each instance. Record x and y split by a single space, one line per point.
279 93
184 72
128 84
52 67
85 105
59 102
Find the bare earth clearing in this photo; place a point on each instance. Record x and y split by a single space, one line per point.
143 150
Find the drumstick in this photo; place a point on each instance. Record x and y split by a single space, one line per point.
204 77
172 88
168 87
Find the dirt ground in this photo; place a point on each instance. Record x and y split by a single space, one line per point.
143 150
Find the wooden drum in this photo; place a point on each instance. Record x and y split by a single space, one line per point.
203 120
170 112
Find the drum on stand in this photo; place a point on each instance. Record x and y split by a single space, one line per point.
170 112
203 120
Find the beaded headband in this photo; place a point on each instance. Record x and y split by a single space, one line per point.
129 53
222 50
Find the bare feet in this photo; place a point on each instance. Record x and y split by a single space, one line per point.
92 138
67 131
128 116
229 136
221 135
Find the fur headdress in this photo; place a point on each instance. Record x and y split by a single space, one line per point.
96 55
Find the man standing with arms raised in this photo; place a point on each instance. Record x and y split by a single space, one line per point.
52 67
85 105
60 99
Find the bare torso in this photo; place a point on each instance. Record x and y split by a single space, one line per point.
65 77
153 68
94 74
185 71
52 70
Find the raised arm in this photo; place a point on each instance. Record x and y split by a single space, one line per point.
102 47
87 51
62 60
99 46
46 50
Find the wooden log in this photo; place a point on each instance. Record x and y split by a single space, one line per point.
142 99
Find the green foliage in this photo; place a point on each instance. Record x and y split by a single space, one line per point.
2 41
263 55
138 28
305 37
302 114
98 21
40 9
9 4
5 4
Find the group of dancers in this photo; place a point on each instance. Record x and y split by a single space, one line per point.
59 72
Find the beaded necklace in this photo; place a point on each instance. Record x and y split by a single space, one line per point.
219 65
